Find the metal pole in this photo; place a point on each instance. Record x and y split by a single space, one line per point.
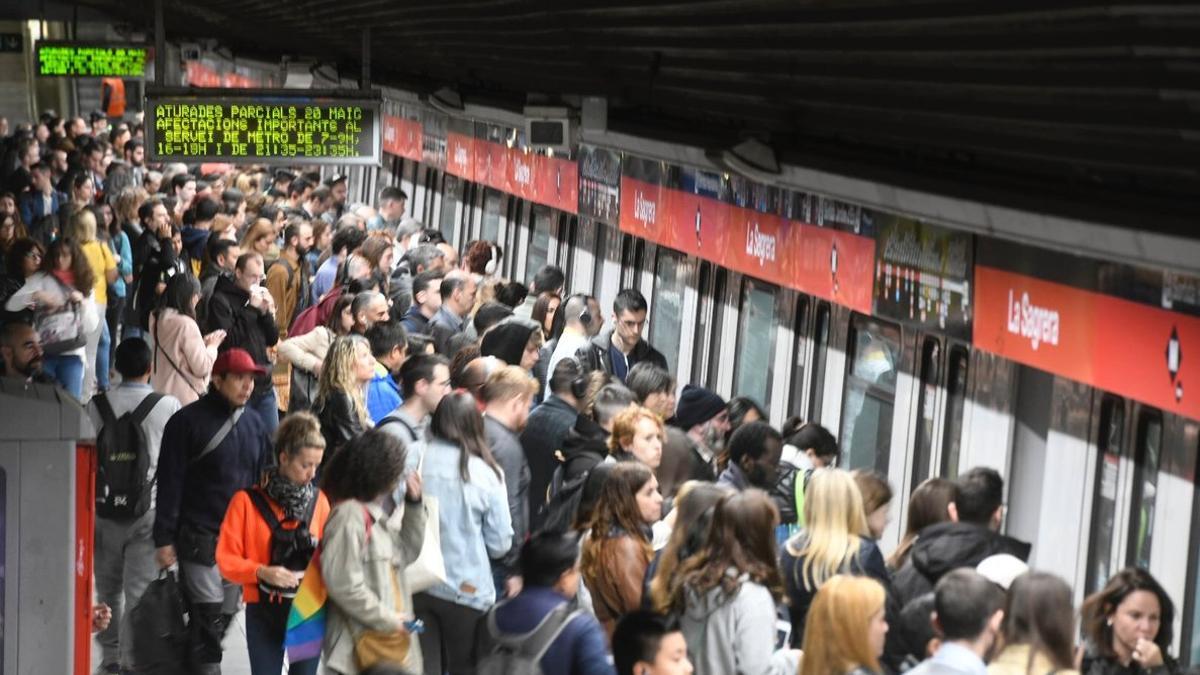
160 46
365 82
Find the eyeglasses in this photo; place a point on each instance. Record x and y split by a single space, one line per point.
33 255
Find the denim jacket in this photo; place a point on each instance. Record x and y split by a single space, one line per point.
474 520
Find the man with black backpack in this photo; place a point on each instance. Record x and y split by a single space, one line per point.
129 422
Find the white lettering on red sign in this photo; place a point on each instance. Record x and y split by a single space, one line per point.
644 209
460 156
523 173
1037 324
760 245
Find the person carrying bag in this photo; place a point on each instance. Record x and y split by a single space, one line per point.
268 537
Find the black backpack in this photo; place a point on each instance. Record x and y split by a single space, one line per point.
558 514
291 549
122 486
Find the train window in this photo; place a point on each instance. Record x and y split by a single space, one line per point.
755 343
540 220
1145 487
720 280
516 213
870 394
452 192
931 365
1104 500
956 401
816 390
799 330
492 207
666 308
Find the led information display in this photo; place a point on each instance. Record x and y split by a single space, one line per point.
79 59
264 127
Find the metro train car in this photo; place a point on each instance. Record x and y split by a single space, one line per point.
927 342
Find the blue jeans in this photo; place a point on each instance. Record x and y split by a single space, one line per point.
267 406
266 625
68 370
103 352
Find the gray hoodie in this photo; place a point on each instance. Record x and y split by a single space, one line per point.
735 635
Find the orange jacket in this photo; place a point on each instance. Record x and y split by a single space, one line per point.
244 544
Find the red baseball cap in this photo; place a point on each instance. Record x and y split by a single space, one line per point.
237 361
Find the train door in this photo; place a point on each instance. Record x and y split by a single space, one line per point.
869 398
517 208
1048 468
710 286
754 355
1189 651
801 356
665 331
609 281
537 248
454 209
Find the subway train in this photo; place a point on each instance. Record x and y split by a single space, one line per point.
925 345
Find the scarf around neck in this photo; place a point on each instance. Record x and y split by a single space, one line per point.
293 498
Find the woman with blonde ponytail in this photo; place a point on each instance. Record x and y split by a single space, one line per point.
835 541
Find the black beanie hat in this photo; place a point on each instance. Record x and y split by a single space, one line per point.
697 405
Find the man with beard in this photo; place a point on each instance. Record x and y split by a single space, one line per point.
21 350
507 396
754 452
695 438
287 278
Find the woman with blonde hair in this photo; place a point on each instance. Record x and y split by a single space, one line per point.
847 628
637 435
835 541
82 229
341 391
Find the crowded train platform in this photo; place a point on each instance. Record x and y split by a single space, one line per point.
360 382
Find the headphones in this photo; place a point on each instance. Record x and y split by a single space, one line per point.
579 384
490 267
585 317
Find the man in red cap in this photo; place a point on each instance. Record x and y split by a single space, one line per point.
210 449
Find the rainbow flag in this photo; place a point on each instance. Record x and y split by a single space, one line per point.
306 619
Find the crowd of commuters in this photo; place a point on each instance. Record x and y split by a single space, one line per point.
482 475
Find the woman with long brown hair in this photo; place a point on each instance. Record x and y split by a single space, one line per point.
65 280
1128 626
458 470
617 550
694 506
727 594
928 505
846 628
1038 628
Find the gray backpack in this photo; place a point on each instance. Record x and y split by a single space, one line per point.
522 654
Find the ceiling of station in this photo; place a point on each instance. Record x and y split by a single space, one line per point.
1083 109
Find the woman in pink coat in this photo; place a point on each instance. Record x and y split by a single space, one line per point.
183 358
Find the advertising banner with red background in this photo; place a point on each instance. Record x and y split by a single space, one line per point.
824 262
402 137
551 181
1146 353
